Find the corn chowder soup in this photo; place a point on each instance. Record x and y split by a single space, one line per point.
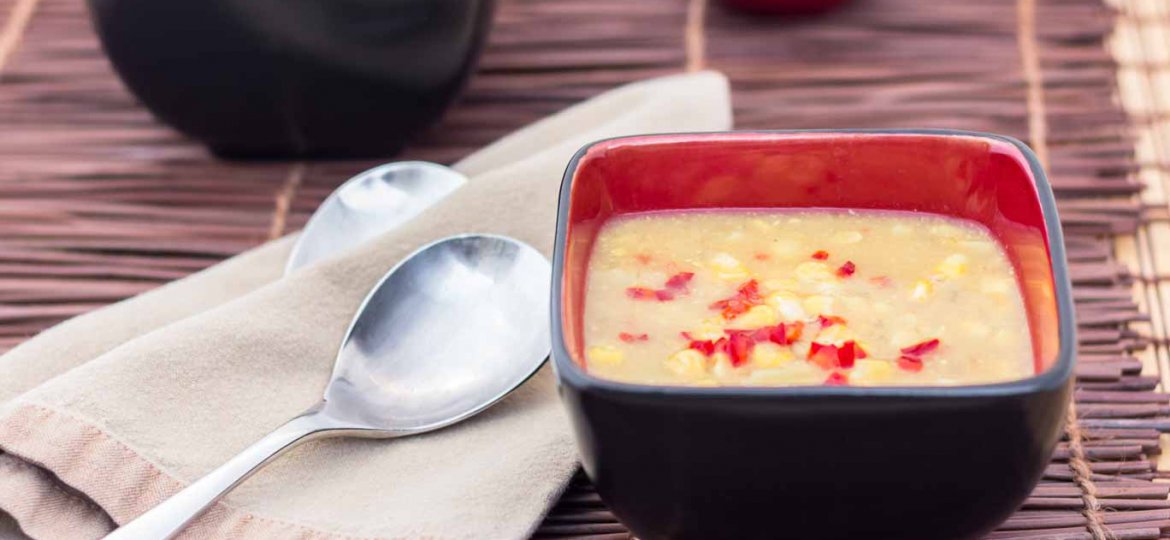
814 297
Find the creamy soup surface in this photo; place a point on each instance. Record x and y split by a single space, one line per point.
778 298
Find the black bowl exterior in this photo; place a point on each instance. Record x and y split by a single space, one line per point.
896 467
809 463
302 78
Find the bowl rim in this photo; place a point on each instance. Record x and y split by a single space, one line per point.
1054 378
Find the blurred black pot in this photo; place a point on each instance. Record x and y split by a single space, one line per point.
295 78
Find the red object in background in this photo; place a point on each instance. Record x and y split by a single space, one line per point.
776 7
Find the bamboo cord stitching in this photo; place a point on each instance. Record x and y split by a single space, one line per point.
284 198
1083 476
696 41
13 32
1038 137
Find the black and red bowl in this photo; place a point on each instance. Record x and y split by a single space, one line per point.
938 463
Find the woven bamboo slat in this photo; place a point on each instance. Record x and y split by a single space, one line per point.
99 202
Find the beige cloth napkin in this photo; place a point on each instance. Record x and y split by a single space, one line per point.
106 415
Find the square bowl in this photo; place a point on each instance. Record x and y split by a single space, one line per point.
814 462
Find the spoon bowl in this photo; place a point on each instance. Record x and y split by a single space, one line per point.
372 202
449 331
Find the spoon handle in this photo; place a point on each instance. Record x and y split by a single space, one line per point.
169 517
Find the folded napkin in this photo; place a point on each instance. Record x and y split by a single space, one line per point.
106 415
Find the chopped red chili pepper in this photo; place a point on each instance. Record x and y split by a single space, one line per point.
641 293
746 296
910 363
705 346
642 258
861 354
762 256
829 320
847 353
679 280
920 349
630 338
739 347
794 330
825 356
847 269
777 334
820 255
837 378
750 291
881 281
676 285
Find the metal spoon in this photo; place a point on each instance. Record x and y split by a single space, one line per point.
369 204
445 334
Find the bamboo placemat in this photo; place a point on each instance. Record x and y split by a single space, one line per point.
98 202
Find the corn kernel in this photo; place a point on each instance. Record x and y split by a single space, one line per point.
721 366
756 317
922 290
710 329
787 305
953 266
813 271
821 305
728 267
835 334
604 355
770 355
870 371
688 363
847 237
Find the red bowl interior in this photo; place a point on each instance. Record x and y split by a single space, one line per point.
974 177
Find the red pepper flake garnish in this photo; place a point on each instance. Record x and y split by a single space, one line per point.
837 378
881 281
641 293
910 363
780 334
705 346
643 258
846 269
794 330
739 347
824 356
630 338
820 255
675 286
920 349
746 296
762 256
679 280
829 320
847 354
